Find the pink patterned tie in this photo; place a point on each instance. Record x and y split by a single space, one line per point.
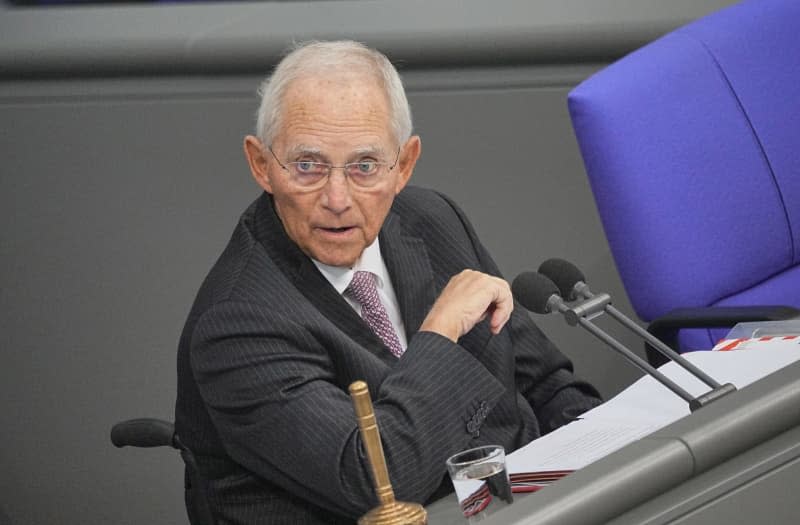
362 288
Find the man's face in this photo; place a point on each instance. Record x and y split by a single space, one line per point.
337 122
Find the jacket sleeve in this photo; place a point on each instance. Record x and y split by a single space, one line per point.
272 391
544 375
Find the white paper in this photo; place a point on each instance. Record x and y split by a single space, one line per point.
646 406
575 445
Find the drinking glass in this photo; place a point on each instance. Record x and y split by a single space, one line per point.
481 481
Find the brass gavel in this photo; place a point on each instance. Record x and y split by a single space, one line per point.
389 511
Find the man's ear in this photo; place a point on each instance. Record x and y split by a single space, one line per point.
409 153
254 151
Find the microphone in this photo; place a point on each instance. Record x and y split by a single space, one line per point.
538 293
569 279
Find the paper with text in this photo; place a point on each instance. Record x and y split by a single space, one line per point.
644 407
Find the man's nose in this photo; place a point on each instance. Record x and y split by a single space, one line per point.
336 192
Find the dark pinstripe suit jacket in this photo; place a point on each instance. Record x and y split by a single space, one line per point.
270 348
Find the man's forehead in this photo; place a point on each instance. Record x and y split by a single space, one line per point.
350 117
336 84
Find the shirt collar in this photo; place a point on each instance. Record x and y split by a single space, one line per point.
370 261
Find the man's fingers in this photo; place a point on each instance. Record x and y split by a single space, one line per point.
501 309
469 298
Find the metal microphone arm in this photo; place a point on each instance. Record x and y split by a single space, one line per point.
594 306
635 359
570 282
582 289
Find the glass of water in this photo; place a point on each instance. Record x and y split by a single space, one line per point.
481 481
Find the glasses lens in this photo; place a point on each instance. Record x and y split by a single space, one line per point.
366 173
307 173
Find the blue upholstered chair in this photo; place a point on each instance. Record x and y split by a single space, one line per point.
692 148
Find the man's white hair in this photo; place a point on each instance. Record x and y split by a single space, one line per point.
331 58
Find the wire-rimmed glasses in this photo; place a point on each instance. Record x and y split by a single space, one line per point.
365 173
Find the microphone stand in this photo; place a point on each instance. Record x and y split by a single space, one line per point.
595 305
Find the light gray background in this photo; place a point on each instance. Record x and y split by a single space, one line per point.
122 178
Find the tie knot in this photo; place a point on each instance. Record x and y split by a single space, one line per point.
362 288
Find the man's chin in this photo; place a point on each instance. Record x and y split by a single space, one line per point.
339 258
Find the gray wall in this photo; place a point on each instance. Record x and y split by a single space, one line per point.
122 178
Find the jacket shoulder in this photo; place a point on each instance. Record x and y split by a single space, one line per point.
422 204
224 277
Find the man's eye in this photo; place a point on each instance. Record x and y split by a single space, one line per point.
307 167
365 167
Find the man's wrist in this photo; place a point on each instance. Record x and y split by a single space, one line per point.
443 329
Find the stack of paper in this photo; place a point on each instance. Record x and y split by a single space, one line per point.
643 408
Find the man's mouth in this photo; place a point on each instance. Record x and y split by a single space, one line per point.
342 229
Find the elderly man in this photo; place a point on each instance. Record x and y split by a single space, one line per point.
340 272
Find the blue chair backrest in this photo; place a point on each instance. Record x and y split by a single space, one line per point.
692 148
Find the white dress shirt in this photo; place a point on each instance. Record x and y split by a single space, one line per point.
371 261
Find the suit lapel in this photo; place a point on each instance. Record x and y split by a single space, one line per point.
406 258
313 285
299 268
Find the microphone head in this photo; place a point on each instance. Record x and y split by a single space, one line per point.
533 290
564 274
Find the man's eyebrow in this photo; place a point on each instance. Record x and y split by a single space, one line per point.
369 150
313 151
302 149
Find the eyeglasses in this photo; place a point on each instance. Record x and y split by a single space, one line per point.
365 173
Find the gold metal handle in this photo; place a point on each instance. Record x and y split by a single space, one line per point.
372 441
389 512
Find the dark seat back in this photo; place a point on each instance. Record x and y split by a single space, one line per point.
148 432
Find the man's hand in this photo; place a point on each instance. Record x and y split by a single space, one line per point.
468 299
